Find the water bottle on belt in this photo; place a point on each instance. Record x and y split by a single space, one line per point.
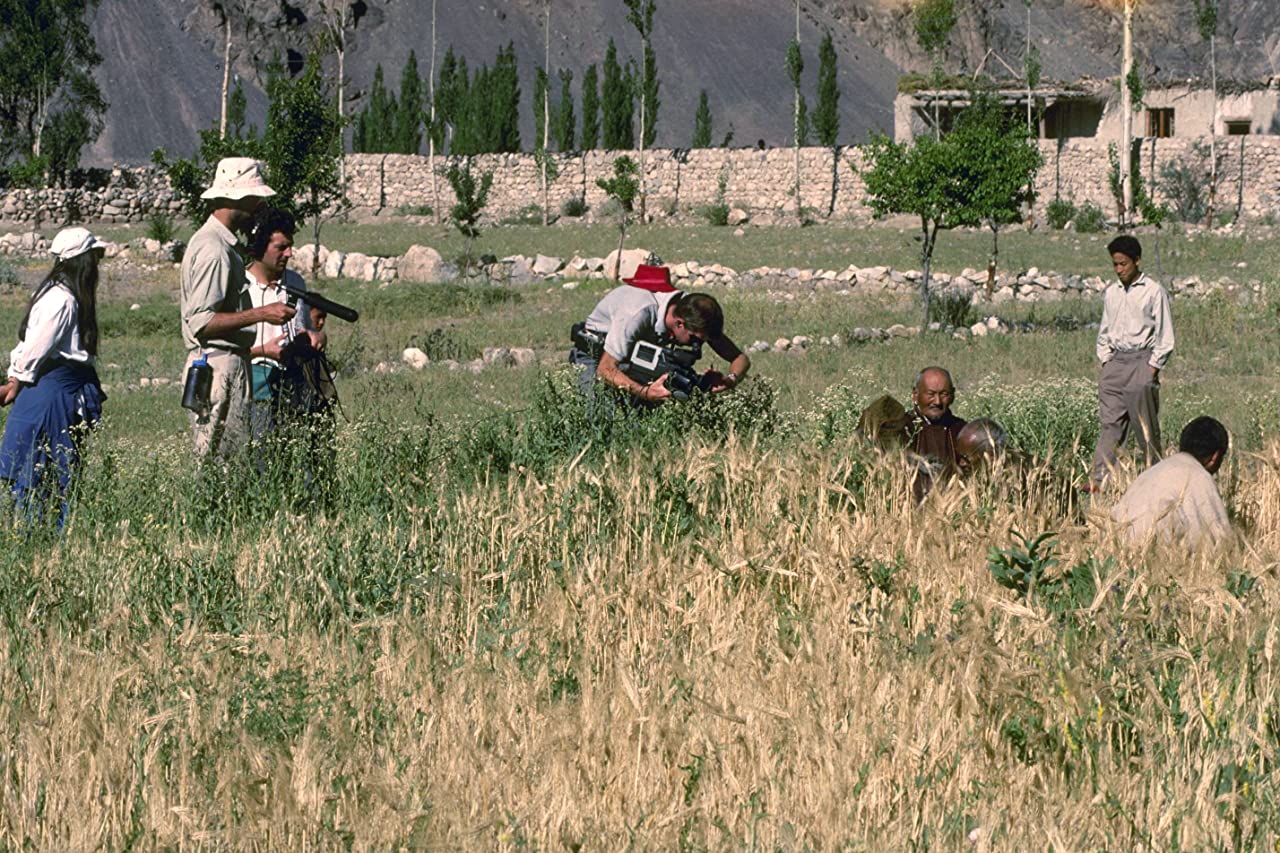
195 392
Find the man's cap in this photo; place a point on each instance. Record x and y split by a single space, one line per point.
1127 246
649 276
237 178
70 242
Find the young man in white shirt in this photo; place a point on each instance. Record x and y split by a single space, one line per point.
1135 340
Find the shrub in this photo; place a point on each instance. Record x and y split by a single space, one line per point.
8 274
953 309
1054 418
1183 185
415 210
574 207
530 214
716 214
160 227
1090 219
1059 212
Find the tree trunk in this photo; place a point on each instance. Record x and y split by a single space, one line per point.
1126 108
926 256
226 75
993 260
622 239
546 114
431 137
315 240
1213 135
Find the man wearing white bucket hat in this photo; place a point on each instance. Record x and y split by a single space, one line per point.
217 317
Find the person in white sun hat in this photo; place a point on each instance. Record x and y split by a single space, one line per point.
218 319
52 383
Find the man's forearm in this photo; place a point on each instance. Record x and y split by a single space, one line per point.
223 323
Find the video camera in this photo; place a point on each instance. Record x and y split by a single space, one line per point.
651 361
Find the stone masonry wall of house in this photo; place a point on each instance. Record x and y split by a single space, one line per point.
679 183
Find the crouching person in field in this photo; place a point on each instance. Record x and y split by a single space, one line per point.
643 338
928 431
1177 499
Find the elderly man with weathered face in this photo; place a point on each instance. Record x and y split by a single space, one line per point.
933 428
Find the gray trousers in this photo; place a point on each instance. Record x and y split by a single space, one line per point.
1126 398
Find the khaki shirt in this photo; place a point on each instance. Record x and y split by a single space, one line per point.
1175 499
213 283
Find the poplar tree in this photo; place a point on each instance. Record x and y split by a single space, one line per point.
408 114
540 98
702 123
618 132
375 125
826 118
590 109
1207 22
565 122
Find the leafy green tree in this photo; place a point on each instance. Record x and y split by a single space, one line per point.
471 197
623 189
50 105
826 118
408 111
375 124
566 122
616 103
237 106
640 15
503 112
795 68
303 145
590 109
451 92
995 170
702 123
914 178
934 20
540 98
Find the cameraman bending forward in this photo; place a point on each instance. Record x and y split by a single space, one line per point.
648 309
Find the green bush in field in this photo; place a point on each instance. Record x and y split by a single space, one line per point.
1055 418
574 208
953 309
8 274
716 215
160 227
1090 219
1059 212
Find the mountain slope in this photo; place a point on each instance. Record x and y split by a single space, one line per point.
162 58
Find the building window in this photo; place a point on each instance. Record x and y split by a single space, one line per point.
1239 127
1160 122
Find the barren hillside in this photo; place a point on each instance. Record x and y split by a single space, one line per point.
162 58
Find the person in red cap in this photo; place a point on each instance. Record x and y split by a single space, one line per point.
649 308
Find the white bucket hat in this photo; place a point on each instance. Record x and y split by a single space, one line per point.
238 177
70 242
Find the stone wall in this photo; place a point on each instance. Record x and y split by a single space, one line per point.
680 183
122 194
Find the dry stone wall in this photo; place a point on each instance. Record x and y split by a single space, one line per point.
680 183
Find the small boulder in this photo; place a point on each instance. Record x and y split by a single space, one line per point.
415 358
545 265
333 264
738 216
498 357
523 357
630 259
759 346
782 344
423 263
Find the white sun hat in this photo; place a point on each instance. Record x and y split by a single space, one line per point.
70 242
238 177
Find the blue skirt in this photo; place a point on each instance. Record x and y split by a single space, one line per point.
40 435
